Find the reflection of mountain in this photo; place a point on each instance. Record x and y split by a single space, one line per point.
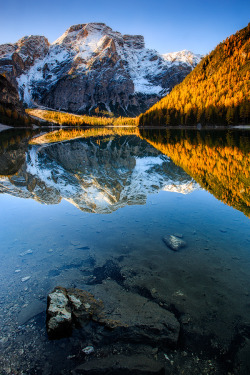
98 174
13 144
218 161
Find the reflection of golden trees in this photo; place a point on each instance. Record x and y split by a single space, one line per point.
70 119
221 166
216 91
67 134
11 138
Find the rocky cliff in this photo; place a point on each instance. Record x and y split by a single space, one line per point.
91 67
11 109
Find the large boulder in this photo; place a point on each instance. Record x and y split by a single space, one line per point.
125 316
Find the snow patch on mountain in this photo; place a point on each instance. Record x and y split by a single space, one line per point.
92 64
180 57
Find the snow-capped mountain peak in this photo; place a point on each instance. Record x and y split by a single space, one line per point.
180 57
92 66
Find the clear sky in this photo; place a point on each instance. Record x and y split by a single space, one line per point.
168 26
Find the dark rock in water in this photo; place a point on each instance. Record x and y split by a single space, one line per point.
69 307
134 318
173 242
121 364
125 317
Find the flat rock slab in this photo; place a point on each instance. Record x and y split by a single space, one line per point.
173 242
138 319
121 365
124 316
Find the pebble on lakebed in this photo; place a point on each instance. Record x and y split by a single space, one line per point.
173 242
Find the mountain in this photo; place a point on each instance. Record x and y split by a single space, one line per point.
91 69
11 109
217 91
97 174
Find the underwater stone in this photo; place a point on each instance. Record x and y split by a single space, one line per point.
88 350
173 242
59 316
67 308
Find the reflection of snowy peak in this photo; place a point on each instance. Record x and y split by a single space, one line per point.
96 176
92 66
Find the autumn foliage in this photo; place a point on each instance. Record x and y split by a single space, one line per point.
217 91
219 163
69 119
68 134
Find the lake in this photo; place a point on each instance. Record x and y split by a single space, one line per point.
95 209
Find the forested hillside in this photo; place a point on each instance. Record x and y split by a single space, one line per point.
217 91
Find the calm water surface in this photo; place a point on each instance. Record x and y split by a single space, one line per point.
77 205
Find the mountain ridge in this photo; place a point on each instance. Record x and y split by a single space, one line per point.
92 68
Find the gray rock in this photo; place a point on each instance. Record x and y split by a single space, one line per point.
69 307
128 316
134 318
26 278
88 350
59 315
173 242
29 251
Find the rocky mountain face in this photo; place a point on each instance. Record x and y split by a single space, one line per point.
96 174
11 108
8 94
91 67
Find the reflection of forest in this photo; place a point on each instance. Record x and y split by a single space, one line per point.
13 145
218 161
68 134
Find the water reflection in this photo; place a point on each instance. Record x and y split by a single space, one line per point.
121 258
218 161
100 170
96 174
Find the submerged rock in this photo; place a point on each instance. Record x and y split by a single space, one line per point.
125 317
67 308
134 318
173 242
26 278
88 350
59 315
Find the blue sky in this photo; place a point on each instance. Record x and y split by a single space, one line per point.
166 25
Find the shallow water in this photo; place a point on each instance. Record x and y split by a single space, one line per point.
92 211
